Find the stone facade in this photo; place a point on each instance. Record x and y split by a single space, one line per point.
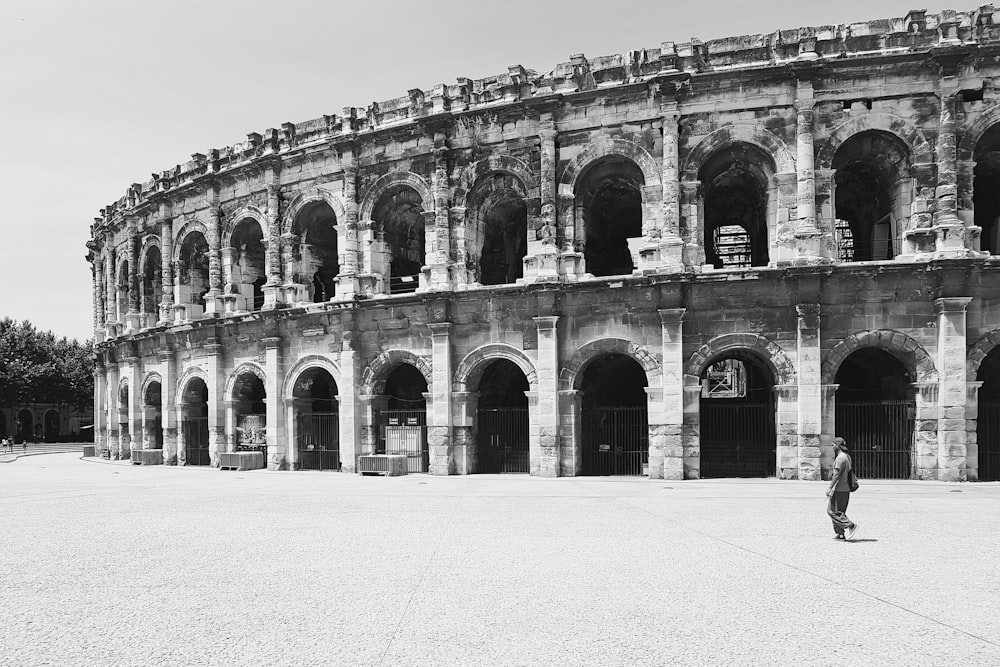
788 201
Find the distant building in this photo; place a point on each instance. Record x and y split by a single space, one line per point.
46 422
686 261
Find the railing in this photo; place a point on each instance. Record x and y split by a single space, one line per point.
502 440
404 433
404 284
988 438
737 438
879 435
318 440
615 441
195 432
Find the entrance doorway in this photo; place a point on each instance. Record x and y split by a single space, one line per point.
615 427
317 426
152 421
194 423
875 414
403 423
502 420
249 404
988 419
737 419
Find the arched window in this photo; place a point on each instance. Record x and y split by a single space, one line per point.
243 264
399 219
498 241
608 196
317 262
986 189
192 274
152 282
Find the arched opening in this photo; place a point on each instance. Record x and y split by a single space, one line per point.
121 293
124 430
736 417
317 428
875 413
499 240
608 201
986 189
614 425
243 264
318 261
740 199
502 420
192 274
399 219
24 421
51 426
250 410
152 416
872 177
403 420
988 419
152 286
194 423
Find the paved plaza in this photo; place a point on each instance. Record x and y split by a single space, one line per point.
108 563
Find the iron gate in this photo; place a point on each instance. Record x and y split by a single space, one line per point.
404 433
737 438
880 437
195 431
615 441
318 440
988 438
502 440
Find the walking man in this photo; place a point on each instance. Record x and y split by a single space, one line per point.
839 492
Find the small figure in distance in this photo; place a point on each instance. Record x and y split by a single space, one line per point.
839 492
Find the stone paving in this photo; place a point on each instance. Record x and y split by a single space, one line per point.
108 563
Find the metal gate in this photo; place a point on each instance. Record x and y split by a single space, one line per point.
502 440
988 439
195 431
404 433
737 438
318 440
615 441
880 437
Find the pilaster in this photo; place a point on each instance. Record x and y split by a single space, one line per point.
972 430
132 248
548 407
541 263
216 401
464 449
787 418
100 404
570 421
810 396
666 421
692 220
166 269
135 416
347 281
277 443
272 256
438 256
808 238
439 426
952 394
949 230
351 406
168 400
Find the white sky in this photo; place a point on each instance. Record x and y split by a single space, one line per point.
98 94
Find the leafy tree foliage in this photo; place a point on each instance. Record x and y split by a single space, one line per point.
37 367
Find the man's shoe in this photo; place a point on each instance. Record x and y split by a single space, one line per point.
851 532
839 536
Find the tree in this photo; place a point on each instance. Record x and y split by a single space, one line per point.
37 367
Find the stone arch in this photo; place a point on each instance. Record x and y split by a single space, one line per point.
244 213
750 133
245 367
979 350
304 364
407 178
975 132
906 349
151 241
374 376
470 369
475 172
189 374
306 197
770 353
603 148
148 380
572 369
902 129
187 229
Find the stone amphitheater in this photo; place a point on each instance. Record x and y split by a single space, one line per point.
696 260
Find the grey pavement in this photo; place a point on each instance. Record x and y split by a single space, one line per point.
109 563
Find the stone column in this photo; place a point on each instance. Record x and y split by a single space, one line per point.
808 238
100 308
670 245
825 216
111 291
439 418
272 256
548 401
570 439
781 237
347 281
350 419
229 416
167 270
216 401
951 363
277 443
168 405
290 406
925 437
135 407
213 303
810 408
114 425
132 248
465 452
100 404
950 232
691 433
439 251
666 447
786 429
972 430
828 398
692 224
541 262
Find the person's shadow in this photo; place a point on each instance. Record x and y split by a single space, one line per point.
870 539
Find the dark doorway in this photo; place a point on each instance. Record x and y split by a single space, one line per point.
249 403
737 187
875 414
399 218
502 420
609 194
317 426
403 423
194 423
615 427
23 425
988 422
153 416
51 426
737 419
